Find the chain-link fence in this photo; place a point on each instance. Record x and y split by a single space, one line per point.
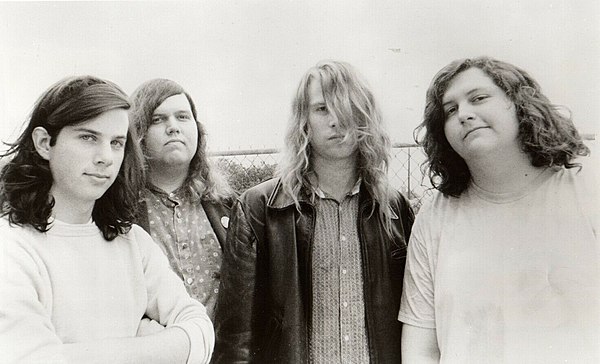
247 168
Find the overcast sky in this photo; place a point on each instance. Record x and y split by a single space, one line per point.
242 60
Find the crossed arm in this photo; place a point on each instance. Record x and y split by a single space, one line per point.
419 345
170 345
97 323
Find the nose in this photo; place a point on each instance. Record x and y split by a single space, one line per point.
172 126
333 120
104 154
465 114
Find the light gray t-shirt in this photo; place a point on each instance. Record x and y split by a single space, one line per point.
511 278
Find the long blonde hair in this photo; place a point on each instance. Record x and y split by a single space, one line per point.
347 95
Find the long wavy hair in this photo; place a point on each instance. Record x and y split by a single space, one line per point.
346 95
545 134
26 179
202 173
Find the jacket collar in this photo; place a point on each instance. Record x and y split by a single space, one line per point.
280 199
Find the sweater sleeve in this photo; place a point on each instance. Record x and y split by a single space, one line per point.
26 330
170 304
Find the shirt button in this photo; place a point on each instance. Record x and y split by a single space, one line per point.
345 304
189 280
178 214
343 238
346 337
344 271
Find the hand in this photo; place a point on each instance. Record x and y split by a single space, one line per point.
148 327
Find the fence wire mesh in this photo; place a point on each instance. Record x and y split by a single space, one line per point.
247 168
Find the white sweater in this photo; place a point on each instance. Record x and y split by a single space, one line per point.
70 285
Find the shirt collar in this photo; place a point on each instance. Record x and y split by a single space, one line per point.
188 190
321 194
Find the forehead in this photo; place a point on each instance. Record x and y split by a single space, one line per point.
113 123
467 81
176 102
315 92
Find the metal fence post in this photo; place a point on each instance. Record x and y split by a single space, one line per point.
409 191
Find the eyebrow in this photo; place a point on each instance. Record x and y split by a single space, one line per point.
95 132
469 93
174 112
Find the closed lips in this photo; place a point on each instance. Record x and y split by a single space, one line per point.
174 141
97 175
472 130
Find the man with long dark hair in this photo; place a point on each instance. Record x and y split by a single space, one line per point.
186 201
76 275
503 264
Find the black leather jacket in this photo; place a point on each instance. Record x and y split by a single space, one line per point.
264 304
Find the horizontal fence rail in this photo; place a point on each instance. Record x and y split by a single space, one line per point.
248 167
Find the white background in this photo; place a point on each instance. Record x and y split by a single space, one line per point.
242 60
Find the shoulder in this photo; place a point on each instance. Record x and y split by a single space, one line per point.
12 233
583 179
221 206
137 233
142 241
588 173
579 185
439 200
5 226
435 210
249 212
261 192
19 246
138 236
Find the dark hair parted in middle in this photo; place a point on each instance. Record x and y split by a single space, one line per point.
146 98
548 137
26 179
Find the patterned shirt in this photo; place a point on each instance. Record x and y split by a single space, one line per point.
337 330
178 223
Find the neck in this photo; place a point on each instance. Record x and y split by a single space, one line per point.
167 178
503 173
336 178
72 213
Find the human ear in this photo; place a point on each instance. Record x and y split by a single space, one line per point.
41 141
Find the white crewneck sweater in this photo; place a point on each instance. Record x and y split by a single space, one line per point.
70 285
